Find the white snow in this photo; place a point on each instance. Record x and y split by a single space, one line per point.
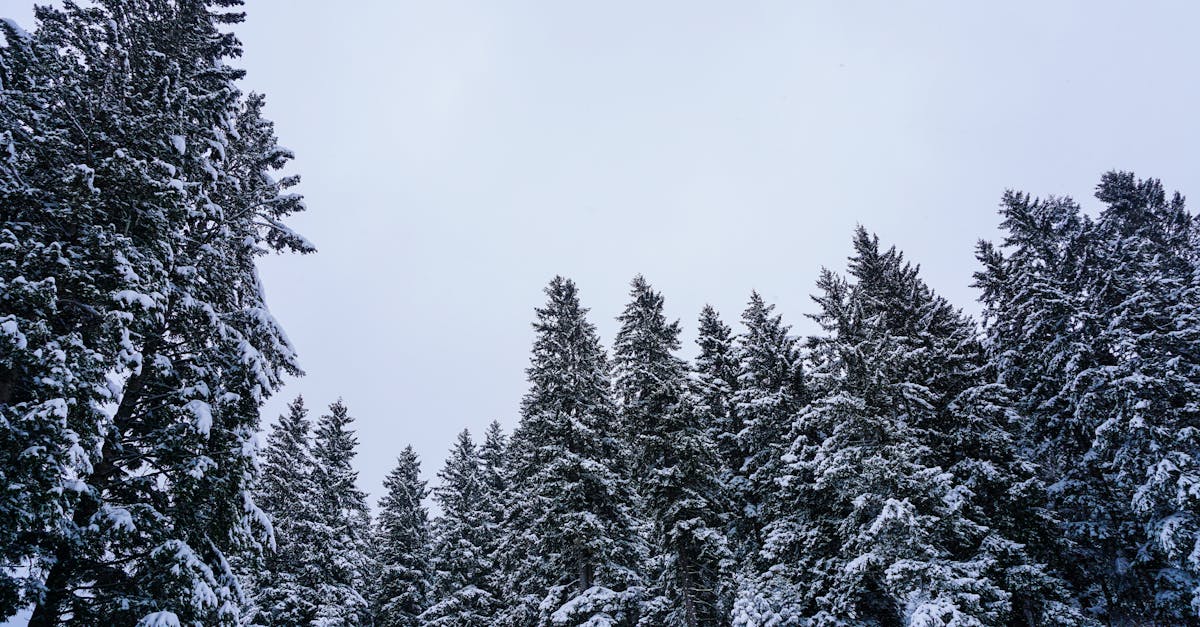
89 176
120 518
203 413
180 143
9 327
130 297
16 28
159 619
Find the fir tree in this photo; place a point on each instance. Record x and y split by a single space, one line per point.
648 377
56 345
715 374
1094 323
716 371
462 535
149 178
1143 389
403 546
285 589
969 430
904 499
571 551
342 553
493 460
677 464
770 392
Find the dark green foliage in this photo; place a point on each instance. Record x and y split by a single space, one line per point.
138 344
341 554
768 396
677 467
903 468
286 584
462 536
402 546
903 501
1094 323
570 545
716 370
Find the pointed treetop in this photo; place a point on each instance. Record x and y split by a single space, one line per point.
645 344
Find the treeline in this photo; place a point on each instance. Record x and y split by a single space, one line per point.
904 466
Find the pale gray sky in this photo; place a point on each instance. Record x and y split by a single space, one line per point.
456 155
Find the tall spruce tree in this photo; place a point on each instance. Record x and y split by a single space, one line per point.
342 555
462 567
403 545
571 549
769 394
677 465
285 585
1094 322
137 199
716 372
906 502
970 430
55 346
648 377
493 460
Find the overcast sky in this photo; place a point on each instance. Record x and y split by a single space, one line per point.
457 155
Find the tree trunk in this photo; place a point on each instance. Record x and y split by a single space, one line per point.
46 613
685 586
8 380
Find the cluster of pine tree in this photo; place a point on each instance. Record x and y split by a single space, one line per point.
135 344
904 466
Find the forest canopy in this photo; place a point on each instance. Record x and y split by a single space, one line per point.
904 465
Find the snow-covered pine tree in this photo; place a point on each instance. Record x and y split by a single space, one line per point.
1114 390
461 536
571 552
716 372
677 466
1143 389
970 430
904 502
770 392
402 542
493 460
285 585
1032 311
648 377
55 345
342 556
646 381
152 182
866 513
